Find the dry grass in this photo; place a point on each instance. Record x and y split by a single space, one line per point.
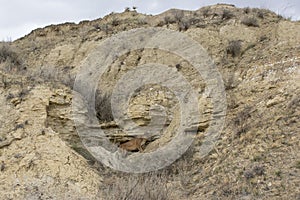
53 75
153 185
10 57
150 186
241 121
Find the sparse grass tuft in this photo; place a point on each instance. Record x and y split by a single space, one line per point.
241 121
278 173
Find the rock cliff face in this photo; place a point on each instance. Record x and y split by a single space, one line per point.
256 156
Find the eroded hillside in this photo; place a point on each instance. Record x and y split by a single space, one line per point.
257 155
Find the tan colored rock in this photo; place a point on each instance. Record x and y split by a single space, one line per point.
45 158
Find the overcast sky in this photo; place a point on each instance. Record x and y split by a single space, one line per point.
19 17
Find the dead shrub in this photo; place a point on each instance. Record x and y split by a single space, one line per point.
250 21
184 25
260 14
257 170
103 107
178 15
247 10
10 57
106 28
169 20
54 75
115 22
205 12
234 48
227 14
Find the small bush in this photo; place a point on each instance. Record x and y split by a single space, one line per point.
10 56
248 174
184 25
205 12
115 22
106 28
234 48
227 14
141 21
260 14
250 21
169 20
53 75
247 10
279 16
258 170
103 107
179 15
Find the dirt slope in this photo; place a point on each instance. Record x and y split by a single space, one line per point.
257 155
